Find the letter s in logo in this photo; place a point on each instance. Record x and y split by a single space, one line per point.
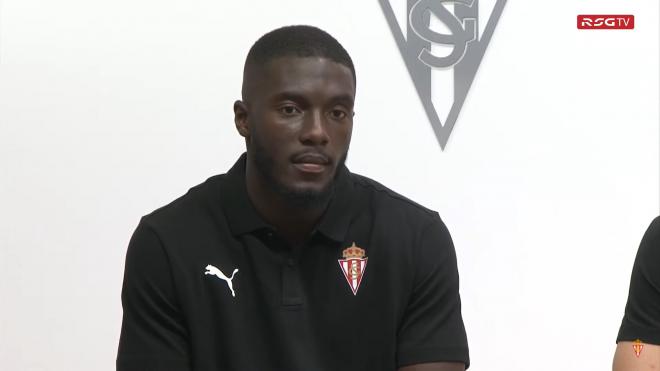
461 33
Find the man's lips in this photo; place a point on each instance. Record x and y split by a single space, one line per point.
309 168
311 158
311 162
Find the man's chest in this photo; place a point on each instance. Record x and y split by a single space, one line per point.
323 274
324 304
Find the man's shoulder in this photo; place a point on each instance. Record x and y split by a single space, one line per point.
382 197
649 248
200 201
652 235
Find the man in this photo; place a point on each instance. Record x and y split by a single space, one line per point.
289 261
638 343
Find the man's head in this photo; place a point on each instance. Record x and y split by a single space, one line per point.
297 111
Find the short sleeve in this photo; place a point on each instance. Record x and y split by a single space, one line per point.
642 316
432 329
153 334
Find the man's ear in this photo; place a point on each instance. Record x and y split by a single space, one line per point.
241 119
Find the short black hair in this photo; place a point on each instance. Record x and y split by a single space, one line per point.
298 41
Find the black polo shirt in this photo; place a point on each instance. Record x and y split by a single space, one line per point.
642 317
210 286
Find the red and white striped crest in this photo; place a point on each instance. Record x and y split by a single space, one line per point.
353 266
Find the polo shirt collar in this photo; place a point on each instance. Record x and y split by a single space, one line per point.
239 211
337 216
243 217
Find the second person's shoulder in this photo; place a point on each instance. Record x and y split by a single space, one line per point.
650 244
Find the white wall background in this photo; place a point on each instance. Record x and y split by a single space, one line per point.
110 109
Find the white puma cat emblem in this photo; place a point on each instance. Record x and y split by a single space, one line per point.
216 272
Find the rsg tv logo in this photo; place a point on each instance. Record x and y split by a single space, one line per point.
467 50
606 22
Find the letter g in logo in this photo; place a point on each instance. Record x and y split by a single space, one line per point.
461 33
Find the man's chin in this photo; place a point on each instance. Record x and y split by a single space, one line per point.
307 196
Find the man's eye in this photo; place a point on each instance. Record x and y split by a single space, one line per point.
337 114
289 110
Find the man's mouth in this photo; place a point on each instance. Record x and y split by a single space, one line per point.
311 162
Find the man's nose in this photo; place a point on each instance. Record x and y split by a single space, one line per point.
314 129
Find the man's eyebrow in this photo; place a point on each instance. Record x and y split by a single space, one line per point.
345 99
288 95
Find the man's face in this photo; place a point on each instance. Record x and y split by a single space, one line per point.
299 122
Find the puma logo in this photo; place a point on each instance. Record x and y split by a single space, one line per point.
216 272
